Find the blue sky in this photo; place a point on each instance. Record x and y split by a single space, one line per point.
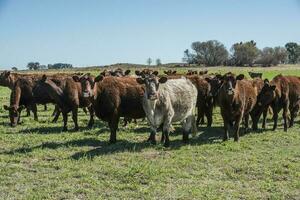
99 32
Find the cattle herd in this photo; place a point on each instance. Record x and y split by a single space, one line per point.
162 99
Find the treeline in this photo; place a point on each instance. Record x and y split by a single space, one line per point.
38 66
214 53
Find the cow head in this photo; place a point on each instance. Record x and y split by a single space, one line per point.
203 72
87 84
267 94
215 83
14 113
229 82
170 72
191 72
6 79
152 84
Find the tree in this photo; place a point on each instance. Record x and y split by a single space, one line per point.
188 57
60 66
210 53
293 50
33 65
149 61
14 69
266 57
280 55
244 53
158 62
271 56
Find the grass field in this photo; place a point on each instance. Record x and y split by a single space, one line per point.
38 161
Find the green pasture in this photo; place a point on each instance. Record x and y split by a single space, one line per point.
38 161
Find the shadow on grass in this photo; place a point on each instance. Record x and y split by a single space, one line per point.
92 142
107 149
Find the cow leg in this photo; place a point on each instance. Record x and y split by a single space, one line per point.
200 116
285 115
294 113
84 110
19 118
237 128
65 118
188 126
166 128
28 111
34 110
75 118
275 117
45 107
246 122
113 126
265 113
56 109
57 113
91 111
209 112
152 135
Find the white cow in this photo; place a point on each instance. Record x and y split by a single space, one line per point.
166 101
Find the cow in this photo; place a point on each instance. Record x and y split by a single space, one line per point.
255 74
236 98
170 72
167 101
21 96
283 92
258 83
116 97
69 96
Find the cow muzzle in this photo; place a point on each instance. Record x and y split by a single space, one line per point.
230 91
152 97
87 94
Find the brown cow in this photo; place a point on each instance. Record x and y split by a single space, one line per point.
69 96
283 92
237 98
258 83
21 96
116 97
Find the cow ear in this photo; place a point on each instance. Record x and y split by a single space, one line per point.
6 107
266 81
165 72
155 73
76 78
44 78
99 78
174 72
162 79
273 87
140 80
127 72
240 77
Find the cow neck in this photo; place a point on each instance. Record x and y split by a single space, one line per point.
55 92
15 95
